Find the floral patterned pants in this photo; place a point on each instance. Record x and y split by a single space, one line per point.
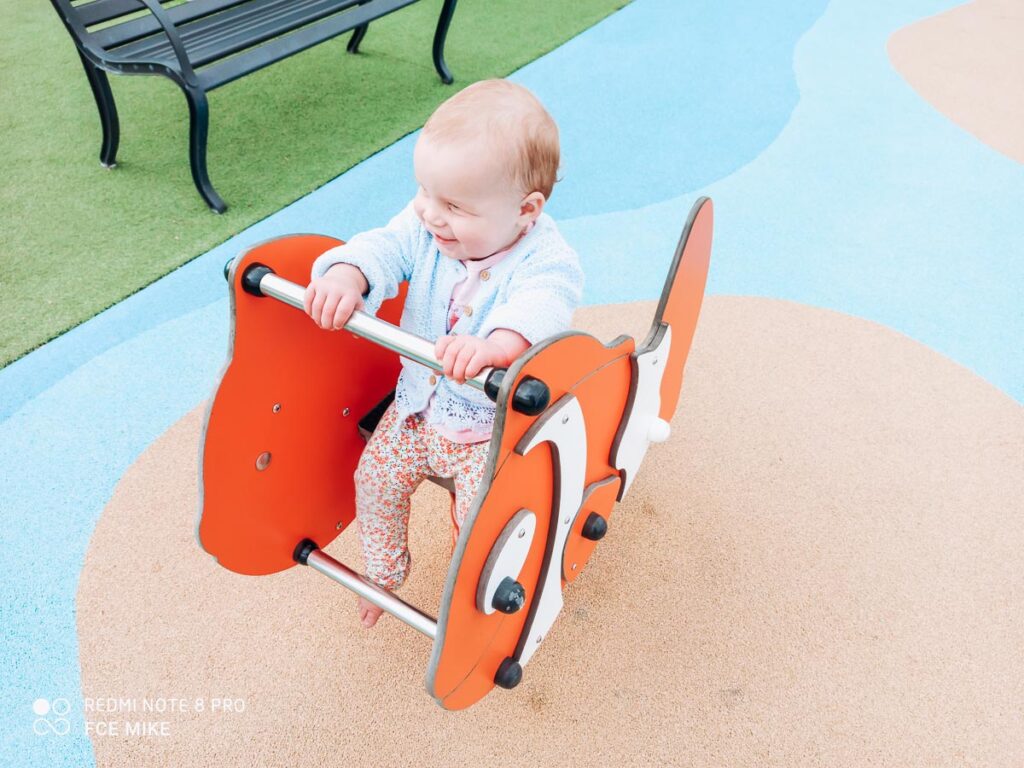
391 467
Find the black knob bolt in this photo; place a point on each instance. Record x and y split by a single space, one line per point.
493 382
303 550
510 596
595 528
531 397
509 674
252 276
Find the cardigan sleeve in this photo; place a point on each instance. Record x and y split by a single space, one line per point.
384 255
542 296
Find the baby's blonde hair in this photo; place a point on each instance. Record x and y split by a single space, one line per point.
509 118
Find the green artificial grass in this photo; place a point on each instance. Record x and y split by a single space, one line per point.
78 238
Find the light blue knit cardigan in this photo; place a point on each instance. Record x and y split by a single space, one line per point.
533 290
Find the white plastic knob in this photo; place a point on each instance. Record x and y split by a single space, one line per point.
659 431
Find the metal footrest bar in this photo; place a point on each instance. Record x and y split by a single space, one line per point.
308 554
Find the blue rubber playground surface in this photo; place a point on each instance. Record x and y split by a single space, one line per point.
835 186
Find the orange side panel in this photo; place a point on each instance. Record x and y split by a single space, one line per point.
474 644
682 306
295 392
599 498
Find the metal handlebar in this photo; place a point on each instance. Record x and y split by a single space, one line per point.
531 396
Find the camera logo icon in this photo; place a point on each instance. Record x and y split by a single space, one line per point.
51 717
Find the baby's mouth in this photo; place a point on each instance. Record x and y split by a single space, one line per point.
445 240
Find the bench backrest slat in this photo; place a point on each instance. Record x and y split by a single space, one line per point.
136 29
229 69
291 15
246 26
99 11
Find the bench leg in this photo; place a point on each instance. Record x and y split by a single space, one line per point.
199 123
357 37
439 36
108 112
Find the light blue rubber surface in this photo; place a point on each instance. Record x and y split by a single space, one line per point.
834 185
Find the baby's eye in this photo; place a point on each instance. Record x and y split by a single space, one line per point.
453 207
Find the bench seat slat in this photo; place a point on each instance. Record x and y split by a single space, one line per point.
231 69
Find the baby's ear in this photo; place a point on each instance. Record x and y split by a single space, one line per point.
532 205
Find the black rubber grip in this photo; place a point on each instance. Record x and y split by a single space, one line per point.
531 397
252 276
303 550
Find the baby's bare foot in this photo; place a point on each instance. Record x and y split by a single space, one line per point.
368 612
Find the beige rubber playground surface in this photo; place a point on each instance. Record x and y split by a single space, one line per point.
822 566
969 64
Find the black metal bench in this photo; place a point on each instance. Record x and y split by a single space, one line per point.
204 44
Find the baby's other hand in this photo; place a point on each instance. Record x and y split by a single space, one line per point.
464 357
330 300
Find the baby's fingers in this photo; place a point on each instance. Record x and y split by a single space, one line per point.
346 306
481 359
329 308
451 354
463 359
316 307
441 345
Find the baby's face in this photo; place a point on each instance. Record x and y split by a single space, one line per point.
465 200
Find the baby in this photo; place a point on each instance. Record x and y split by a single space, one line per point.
489 275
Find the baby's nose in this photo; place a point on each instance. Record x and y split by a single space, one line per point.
432 215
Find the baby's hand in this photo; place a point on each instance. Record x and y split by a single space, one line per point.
464 357
330 300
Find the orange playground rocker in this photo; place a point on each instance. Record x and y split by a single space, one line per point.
574 419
